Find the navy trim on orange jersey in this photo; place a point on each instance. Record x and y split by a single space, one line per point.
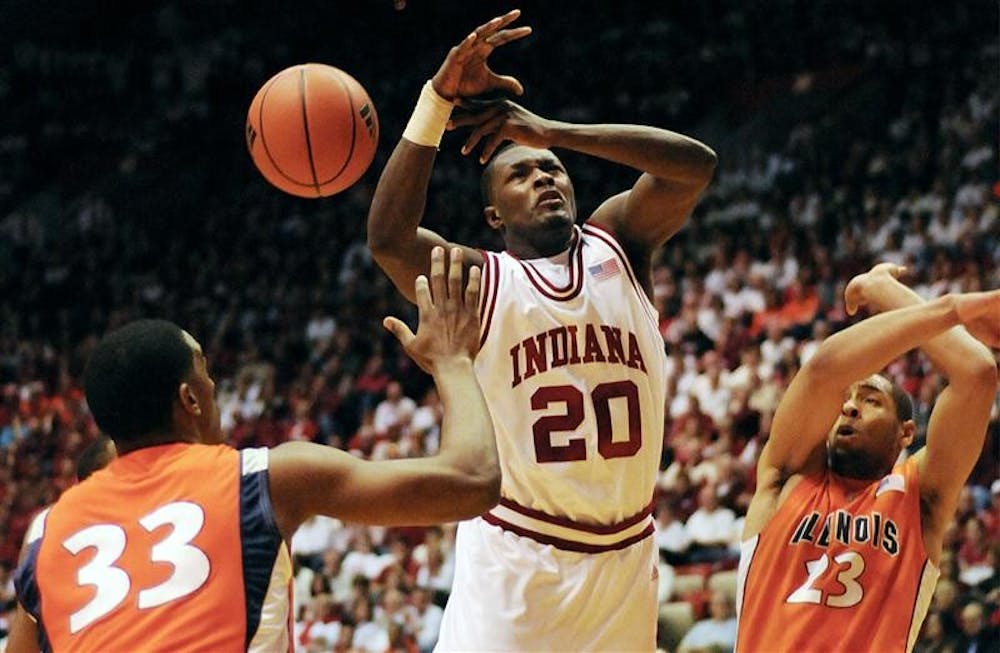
260 540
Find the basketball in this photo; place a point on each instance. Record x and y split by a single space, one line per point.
312 130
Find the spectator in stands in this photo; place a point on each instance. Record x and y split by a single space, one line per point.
990 515
710 528
978 635
973 553
369 636
717 634
671 537
424 432
426 618
393 414
313 538
933 638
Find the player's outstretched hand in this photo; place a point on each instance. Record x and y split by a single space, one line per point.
979 312
449 317
465 71
864 289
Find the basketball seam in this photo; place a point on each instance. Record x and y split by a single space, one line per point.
263 138
354 129
305 127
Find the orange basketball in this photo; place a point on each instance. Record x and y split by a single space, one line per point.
312 130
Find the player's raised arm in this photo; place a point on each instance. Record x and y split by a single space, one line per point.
961 413
816 394
461 481
400 246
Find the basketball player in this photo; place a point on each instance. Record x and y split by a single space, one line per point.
572 364
181 542
840 547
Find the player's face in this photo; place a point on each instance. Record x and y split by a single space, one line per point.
532 194
208 422
866 438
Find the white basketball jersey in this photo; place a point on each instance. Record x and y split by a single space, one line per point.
574 371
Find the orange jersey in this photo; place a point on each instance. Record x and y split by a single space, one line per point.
832 572
169 548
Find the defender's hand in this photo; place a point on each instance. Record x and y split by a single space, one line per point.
449 318
864 289
465 72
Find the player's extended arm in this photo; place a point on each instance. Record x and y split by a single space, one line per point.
961 413
815 396
461 481
399 245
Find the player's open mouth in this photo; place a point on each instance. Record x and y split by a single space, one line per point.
550 199
845 430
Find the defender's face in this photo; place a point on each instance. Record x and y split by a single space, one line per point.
531 190
209 421
865 439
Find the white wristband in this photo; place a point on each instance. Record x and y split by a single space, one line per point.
429 119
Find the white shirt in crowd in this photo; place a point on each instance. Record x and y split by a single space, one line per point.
710 527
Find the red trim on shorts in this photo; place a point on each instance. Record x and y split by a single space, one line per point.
568 545
596 529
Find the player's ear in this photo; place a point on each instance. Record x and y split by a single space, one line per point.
908 430
188 399
492 216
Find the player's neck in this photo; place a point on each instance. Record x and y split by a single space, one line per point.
152 440
852 484
523 248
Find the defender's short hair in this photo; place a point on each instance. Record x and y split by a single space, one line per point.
904 404
132 378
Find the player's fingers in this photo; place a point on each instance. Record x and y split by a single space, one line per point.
472 287
490 146
438 287
454 277
498 23
425 304
482 130
461 52
509 18
399 329
898 271
473 116
504 37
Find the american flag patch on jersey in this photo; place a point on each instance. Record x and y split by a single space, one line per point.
605 269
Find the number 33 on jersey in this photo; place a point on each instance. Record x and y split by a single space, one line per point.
197 537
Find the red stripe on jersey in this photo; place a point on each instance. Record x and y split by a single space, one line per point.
566 522
568 545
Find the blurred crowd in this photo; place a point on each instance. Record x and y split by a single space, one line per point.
867 138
